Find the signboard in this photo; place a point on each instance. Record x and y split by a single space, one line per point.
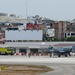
23 35
50 32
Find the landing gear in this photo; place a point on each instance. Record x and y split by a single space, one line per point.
29 54
59 55
66 55
50 54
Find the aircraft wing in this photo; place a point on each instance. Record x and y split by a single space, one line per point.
52 49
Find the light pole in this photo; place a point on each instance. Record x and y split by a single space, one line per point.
26 9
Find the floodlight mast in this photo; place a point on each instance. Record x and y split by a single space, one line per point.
26 9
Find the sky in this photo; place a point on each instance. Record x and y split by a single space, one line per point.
53 9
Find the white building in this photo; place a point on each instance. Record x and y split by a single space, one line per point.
12 18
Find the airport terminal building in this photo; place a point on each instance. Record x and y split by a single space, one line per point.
20 36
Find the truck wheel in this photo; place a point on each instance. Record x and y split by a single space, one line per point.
6 53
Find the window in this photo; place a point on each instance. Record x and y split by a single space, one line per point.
68 28
68 34
72 34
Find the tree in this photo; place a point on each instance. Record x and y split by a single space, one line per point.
70 39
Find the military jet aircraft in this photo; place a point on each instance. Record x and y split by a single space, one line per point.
60 51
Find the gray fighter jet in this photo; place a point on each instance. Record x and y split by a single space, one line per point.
60 51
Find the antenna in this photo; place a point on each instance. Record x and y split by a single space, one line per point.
26 9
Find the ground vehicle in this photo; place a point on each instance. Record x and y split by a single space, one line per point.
7 51
60 51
